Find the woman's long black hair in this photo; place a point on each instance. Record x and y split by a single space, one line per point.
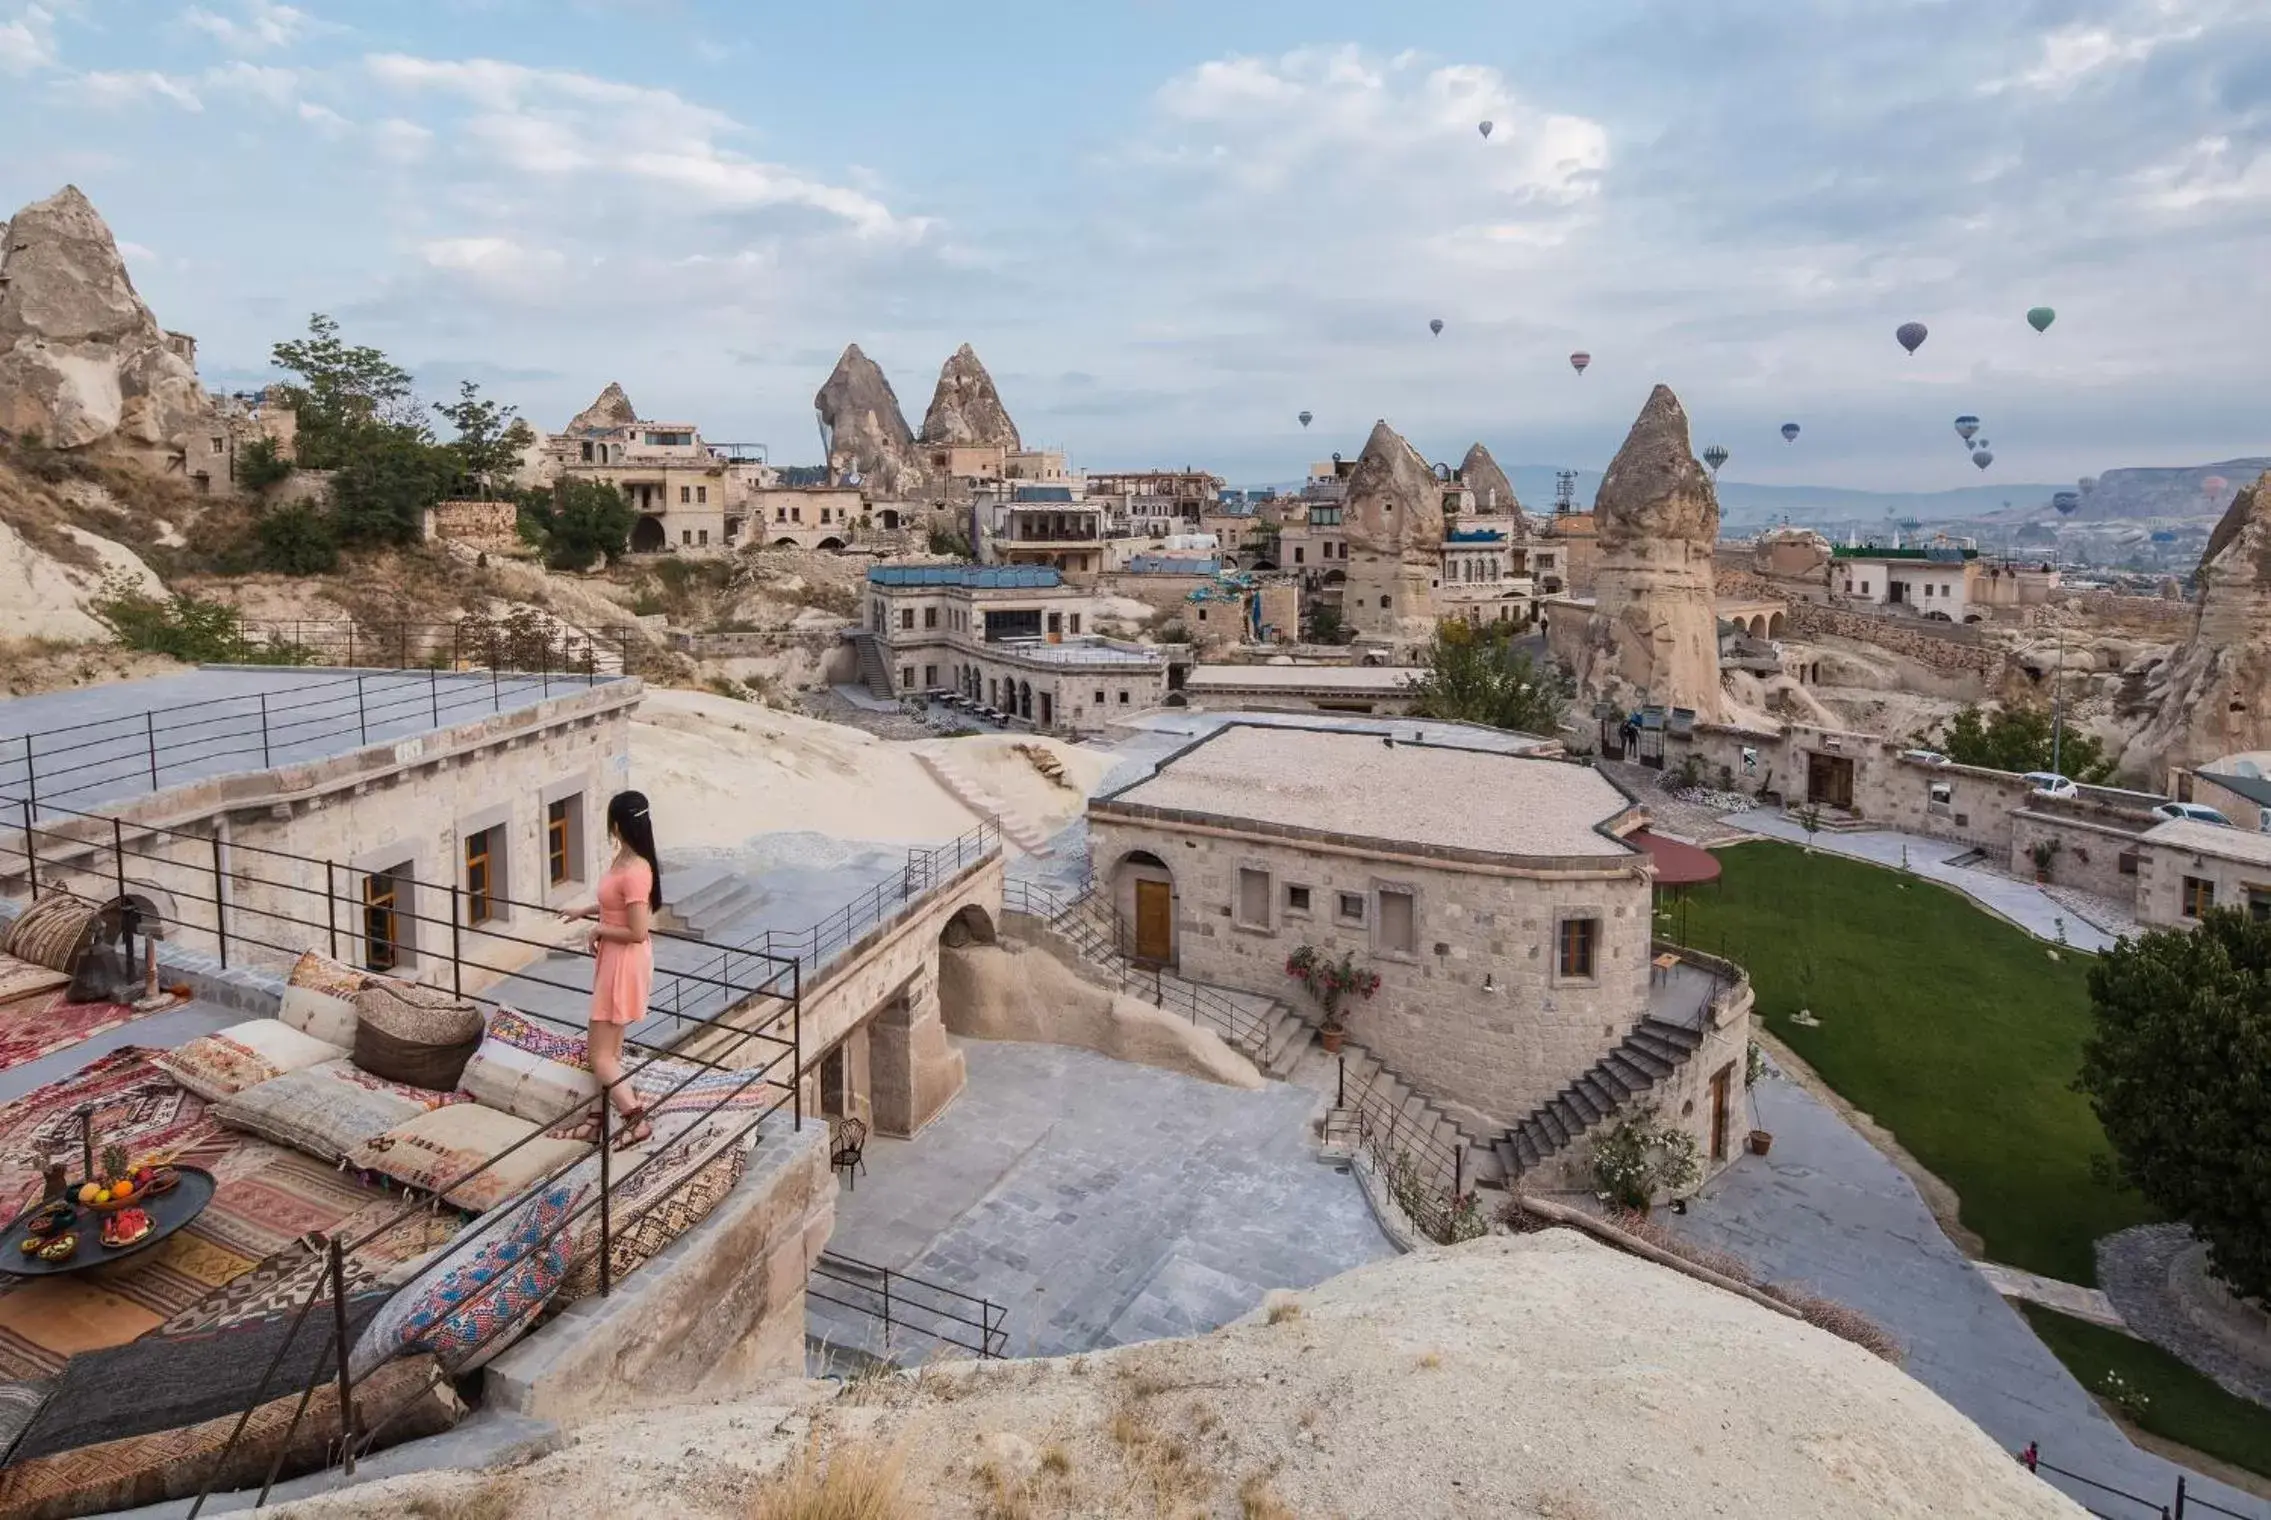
627 820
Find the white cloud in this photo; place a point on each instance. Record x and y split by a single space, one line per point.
125 87
27 42
275 86
491 258
400 142
2071 54
325 120
557 122
264 26
2209 174
136 253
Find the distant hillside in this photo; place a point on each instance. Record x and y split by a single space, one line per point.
2168 493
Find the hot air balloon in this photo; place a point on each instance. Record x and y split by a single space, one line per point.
1436 327
2066 502
1578 361
1307 418
1966 425
2213 486
1715 456
1789 432
1981 443
2164 535
1912 335
1484 129
2039 318
1982 458
2088 483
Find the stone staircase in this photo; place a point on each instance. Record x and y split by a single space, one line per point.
1653 1051
701 900
1399 1118
948 771
875 671
1261 1028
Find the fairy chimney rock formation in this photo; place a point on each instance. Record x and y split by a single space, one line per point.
863 431
612 410
966 408
1653 632
1392 521
1494 493
2213 696
83 363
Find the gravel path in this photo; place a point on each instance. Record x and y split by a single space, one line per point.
2133 1268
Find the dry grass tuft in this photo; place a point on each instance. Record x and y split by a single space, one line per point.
1842 1322
1257 1501
1158 1461
491 1499
1283 1313
1056 1461
853 1482
1430 1360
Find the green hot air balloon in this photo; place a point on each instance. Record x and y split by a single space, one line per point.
2040 318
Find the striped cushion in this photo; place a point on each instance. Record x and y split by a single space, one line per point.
53 932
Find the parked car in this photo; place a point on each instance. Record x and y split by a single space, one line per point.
2193 812
2050 784
1926 756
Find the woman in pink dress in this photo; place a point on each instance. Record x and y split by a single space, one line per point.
630 893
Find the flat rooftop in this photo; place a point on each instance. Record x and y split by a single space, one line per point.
2211 839
1079 651
1361 785
105 744
1369 679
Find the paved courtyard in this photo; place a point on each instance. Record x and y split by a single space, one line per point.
1826 1211
1102 1202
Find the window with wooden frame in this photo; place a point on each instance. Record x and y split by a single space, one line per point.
2199 896
485 875
382 925
1579 948
559 840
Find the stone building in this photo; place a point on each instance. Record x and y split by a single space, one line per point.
1933 581
1504 899
691 495
1482 578
1392 526
1049 525
1016 639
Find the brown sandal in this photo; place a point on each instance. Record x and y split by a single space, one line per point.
585 1131
636 1130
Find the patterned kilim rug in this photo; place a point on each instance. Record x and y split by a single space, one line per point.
36 1027
266 1198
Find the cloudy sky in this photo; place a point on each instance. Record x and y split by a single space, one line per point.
1168 226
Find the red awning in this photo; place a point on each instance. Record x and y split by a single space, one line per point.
1677 864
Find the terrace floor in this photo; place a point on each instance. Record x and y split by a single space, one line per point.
1102 1202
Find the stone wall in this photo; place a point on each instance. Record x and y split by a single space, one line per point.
2162 867
2087 856
484 523
1487 1055
2173 616
719 1313
1950 647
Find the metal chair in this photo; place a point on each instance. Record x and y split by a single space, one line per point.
845 1143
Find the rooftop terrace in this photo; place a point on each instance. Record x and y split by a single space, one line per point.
107 744
975 577
1372 785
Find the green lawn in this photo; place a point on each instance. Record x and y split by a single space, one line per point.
2181 1405
1948 1026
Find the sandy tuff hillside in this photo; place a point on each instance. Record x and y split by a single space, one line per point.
1528 1376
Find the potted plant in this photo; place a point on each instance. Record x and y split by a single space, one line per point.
1754 1067
1640 1157
1329 981
2044 852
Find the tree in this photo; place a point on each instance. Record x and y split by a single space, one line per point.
300 539
490 438
343 394
381 493
1480 677
1325 624
578 523
260 465
2019 739
2175 1070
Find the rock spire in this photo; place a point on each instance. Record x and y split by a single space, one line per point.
1392 521
863 431
1494 493
966 408
2213 696
611 410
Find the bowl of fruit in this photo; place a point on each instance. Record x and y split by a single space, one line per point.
126 1184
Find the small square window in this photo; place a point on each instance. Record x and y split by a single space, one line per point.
2126 863
1352 907
1123 696
1296 899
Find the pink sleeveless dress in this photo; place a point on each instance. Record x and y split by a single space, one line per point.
624 976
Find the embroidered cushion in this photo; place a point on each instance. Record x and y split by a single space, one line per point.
320 973
408 1033
659 1202
241 1056
53 932
449 1151
325 1015
328 1110
527 1086
472 1300
538 1038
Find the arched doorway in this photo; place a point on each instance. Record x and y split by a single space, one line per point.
1143 892
647 536
830 542
1025 700
970 925
1774 626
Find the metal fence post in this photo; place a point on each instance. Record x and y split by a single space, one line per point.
118 854
2179 1496
606 1186
350 643
150 739
456 946
31 853
346 1384
362 717
220 907
264 762
434 694
31 773
887 1310
331 903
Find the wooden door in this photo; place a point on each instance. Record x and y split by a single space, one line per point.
1155 922
1722 1087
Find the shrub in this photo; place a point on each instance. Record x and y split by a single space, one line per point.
1642 1156
187 628
260 465
298 540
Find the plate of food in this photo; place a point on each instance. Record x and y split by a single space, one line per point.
58 1248
124 1228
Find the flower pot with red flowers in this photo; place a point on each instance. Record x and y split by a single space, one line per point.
1331 982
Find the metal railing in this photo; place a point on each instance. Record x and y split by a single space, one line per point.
900 1302
1427 1177
195 740
523 641
1097 930
2184 1502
